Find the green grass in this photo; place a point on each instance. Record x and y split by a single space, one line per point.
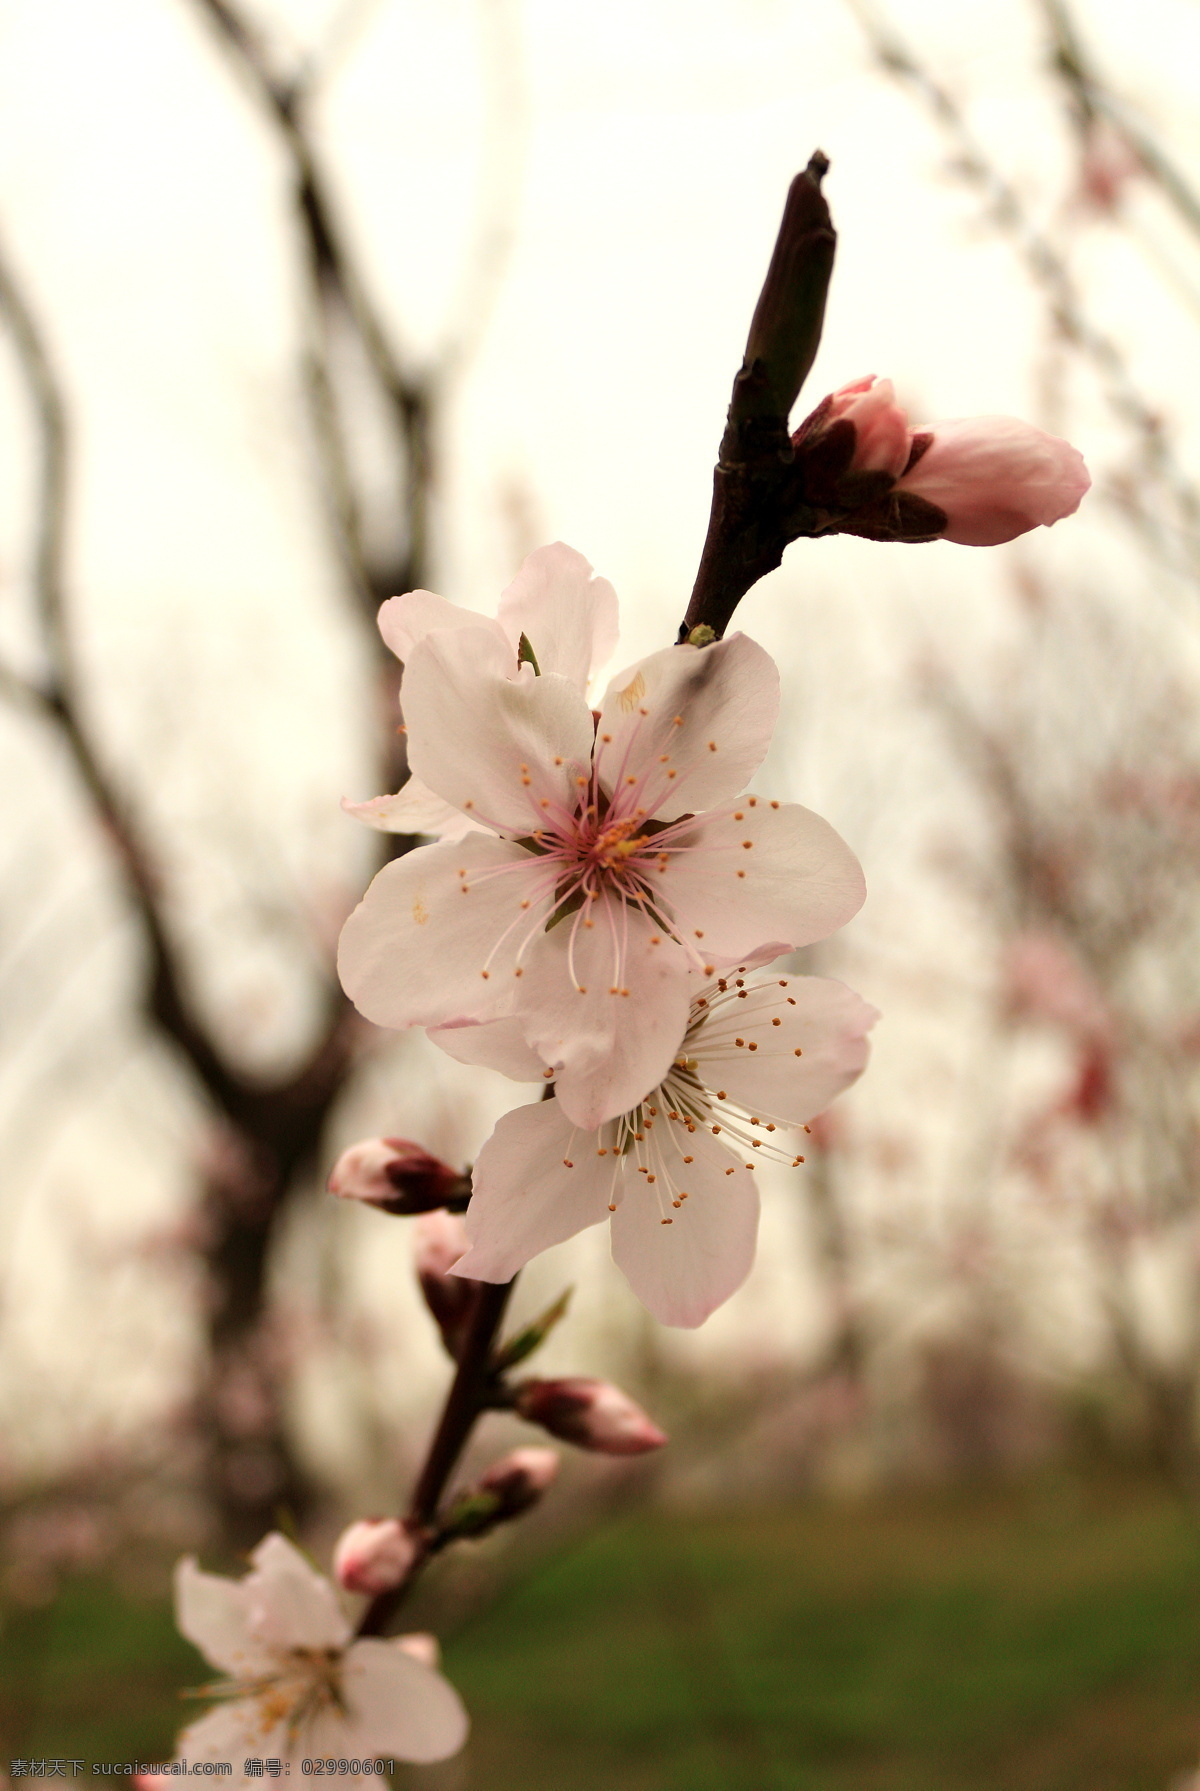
1047 1639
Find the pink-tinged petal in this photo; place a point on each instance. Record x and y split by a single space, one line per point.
803 1040
398 1706
506 751
491 1045
684 1270
605 1007
880 425
414 809
230 1732
996 478
213 1614
758 872
687 728
567 614
291 1605
414 951
403 621
525 1198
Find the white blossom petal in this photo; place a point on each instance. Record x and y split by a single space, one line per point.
815 1016
760 871
605 1007
413 809
403 621
414 951
568 615
683 1270
491 1045
506 751
704 714
291 1605
523 1197
399 1706
212 1612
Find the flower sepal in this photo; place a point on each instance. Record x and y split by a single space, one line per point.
531 1336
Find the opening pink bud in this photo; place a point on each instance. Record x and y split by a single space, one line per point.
592 1414
441 1238
880 426
374 1555
996 478
522 1475
397 1176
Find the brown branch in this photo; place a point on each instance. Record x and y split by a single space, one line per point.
465 1403
49 414
758 502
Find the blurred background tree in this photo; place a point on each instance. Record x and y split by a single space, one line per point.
314 302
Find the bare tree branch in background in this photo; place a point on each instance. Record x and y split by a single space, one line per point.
1092 99
1052 275
412 393
277 1125
266 1144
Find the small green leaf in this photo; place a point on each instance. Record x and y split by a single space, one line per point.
532 1335
527 656
702 635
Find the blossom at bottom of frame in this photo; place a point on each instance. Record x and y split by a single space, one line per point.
297 1683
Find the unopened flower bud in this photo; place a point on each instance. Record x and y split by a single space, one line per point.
865 416
785 330
374 1555
592 1414
398 1177
440 1240
976 480
520 1478
509 1487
